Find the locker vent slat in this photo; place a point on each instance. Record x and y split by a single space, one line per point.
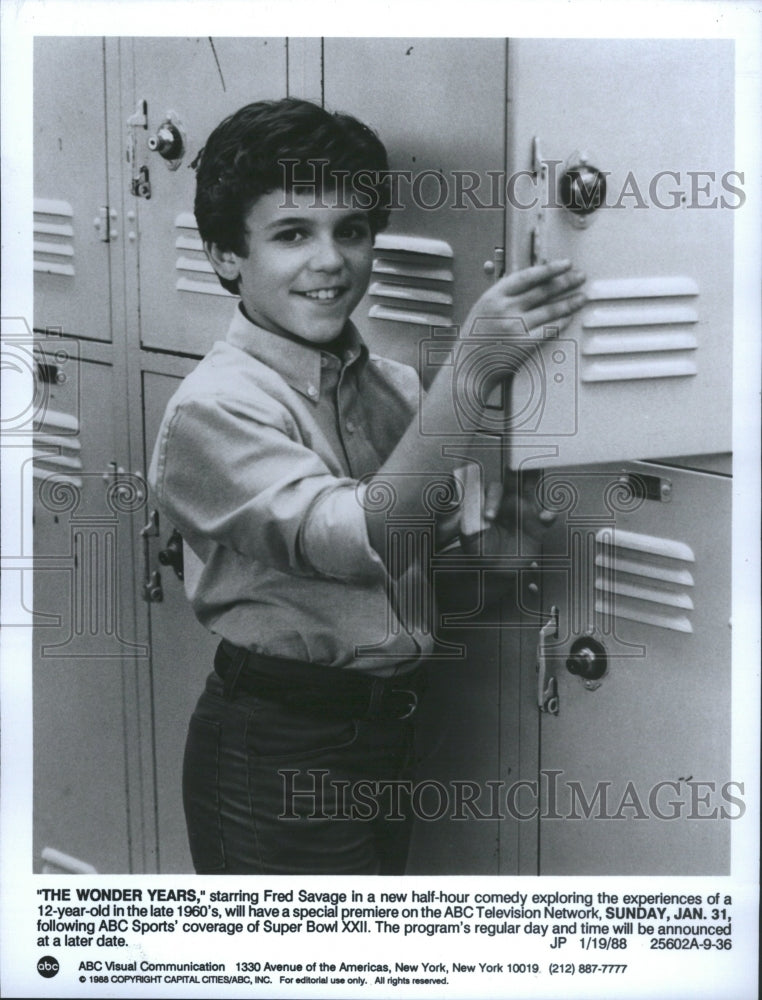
640 328
644 578
56 455
414 280
53 237
55 862
194 272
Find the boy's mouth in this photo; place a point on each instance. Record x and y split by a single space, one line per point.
323 294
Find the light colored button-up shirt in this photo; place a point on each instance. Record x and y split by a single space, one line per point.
258 462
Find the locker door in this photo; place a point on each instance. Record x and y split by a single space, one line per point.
182 652
72 222
636 374
639 570
86 790
476 732
191 83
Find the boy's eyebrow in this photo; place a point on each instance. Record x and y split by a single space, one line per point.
300 220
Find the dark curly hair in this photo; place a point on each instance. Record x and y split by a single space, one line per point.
287 144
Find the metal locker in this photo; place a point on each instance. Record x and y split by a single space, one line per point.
73 221
182 651
86 787
183 307
636 590
637 372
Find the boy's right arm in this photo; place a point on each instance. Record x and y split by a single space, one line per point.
526 307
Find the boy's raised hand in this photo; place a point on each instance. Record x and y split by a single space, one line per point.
526 308
533 304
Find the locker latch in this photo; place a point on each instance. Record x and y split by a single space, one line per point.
152 589
140 185
537 253
495 268
547 687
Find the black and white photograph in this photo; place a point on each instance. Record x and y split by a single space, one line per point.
380 503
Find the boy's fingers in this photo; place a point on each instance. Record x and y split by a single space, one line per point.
553 314
522 281
556 287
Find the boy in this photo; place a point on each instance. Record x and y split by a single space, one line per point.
277 460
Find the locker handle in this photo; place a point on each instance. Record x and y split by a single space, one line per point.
547 687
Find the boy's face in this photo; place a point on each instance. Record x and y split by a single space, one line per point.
307 267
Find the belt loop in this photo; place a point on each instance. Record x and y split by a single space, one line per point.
232 675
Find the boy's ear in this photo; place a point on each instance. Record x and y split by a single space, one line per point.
224 262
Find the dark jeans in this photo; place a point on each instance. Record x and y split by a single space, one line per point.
274 790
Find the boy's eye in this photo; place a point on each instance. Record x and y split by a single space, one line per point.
290 235
355 230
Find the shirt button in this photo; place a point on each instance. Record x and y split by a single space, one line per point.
323 360
350 426
311 391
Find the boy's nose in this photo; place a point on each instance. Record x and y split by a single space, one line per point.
327 256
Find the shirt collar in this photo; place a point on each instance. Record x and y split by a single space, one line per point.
298 363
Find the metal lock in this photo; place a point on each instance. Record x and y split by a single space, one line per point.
588 660
172 555
582 188
169 141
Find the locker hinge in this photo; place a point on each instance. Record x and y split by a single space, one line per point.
547 687
103 223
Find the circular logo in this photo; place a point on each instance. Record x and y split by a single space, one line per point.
48 966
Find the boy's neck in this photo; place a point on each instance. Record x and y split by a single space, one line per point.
335 346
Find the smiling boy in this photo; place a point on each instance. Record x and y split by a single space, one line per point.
269 460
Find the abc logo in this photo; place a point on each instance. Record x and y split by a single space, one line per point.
48 966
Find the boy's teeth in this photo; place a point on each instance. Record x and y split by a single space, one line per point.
323 293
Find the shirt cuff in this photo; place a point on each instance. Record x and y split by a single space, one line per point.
334 537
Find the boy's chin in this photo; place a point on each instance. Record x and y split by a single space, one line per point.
321 332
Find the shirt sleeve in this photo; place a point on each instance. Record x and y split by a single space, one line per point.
237 474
